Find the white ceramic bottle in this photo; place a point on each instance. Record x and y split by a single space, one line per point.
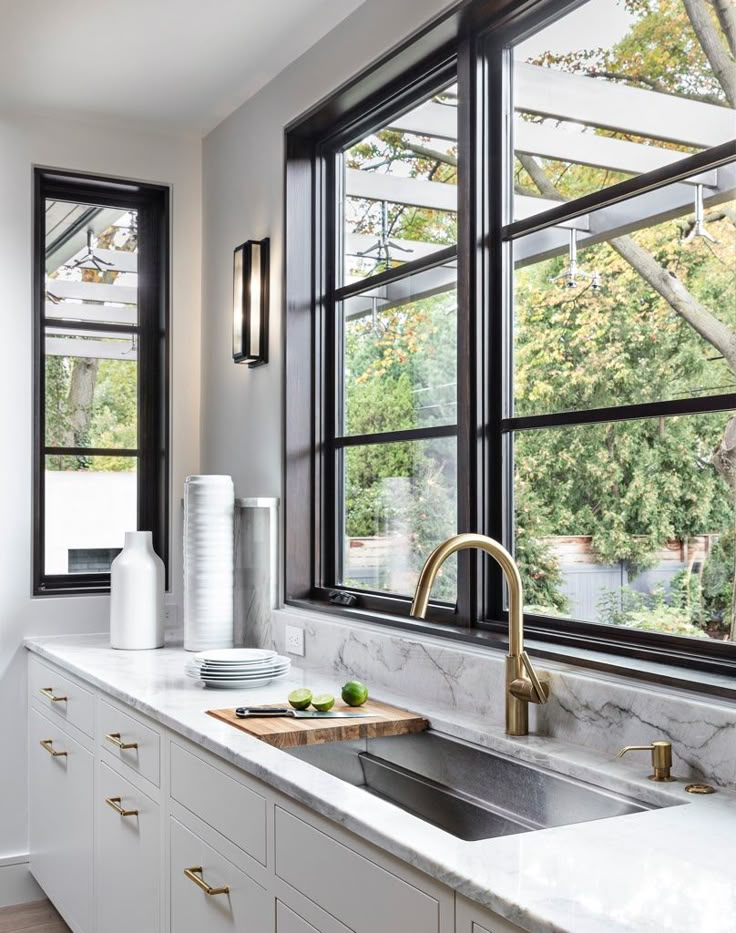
137 595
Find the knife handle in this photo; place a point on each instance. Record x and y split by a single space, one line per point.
252 712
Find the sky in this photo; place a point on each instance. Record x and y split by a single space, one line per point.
597 24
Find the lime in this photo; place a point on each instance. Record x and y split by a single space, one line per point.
355 693
301 698
324 702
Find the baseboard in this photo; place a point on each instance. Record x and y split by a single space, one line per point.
17 884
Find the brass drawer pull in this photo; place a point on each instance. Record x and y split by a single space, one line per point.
114 802
195 875
114 737
48 692
47 743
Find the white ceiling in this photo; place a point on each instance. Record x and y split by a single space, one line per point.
182 65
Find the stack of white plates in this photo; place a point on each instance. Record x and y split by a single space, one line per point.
237 668
209 503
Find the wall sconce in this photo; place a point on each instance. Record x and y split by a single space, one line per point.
250 303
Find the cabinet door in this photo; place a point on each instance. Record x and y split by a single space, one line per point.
127 864
472 918
209 893
60 803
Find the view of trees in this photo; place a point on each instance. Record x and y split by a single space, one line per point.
661 326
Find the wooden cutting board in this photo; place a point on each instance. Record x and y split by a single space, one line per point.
285 732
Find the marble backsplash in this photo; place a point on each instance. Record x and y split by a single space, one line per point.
598 711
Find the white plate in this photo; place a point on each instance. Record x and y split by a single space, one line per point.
235 655
242 684
203 675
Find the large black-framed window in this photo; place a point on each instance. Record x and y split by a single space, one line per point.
514 241
101 364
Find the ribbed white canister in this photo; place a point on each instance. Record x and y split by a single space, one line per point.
209 508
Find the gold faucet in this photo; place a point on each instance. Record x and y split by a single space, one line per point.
522 683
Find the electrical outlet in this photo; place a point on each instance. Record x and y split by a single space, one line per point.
171 615
295 640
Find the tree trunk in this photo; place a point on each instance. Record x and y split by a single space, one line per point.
720 61
80 401
726 13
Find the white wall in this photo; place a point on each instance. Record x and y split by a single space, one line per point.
243 178
25 142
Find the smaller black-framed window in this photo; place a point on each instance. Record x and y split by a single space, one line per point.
101 375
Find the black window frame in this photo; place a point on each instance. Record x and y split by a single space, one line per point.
472 41
152 203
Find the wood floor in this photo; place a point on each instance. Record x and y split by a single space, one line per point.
39 917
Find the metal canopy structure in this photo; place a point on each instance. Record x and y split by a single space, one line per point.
71 299
568 118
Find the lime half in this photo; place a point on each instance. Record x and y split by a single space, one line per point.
324 702
301 698
355 693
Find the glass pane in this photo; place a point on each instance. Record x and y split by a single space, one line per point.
91 390
400 189
400 501
400 354
91 263
630 524
638 317
605 94
90 502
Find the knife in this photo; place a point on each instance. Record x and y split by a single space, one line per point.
252 712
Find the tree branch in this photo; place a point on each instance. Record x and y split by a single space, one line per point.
718 56
726 13
427 153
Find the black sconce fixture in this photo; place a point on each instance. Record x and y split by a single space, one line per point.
250 303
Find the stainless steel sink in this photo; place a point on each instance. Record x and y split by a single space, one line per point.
464 789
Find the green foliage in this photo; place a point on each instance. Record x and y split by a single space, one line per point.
649 612
717 580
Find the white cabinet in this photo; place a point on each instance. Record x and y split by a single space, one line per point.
128 895
135 829
60 799
208 893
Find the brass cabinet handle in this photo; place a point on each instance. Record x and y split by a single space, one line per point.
47 743
114 802
114 737
195 875
48 692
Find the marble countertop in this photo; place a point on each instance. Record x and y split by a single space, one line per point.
669 869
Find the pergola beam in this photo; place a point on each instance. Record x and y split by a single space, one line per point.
78 347
93 291
645 210
548 92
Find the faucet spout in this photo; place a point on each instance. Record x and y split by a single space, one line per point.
523 685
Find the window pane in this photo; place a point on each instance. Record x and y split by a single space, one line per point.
90 502
630 524
626 320
400 189
400 354
399 503
91 263
605 94
91 387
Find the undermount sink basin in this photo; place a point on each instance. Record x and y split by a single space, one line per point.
464 789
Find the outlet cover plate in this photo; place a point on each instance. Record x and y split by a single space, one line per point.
294 637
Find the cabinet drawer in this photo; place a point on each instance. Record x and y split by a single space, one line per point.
61 697
118 729
289 922
359 893
234 810
244 907
60 830
127 863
